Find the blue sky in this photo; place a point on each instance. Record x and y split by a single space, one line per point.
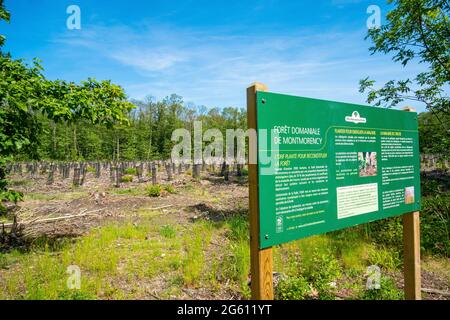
206 51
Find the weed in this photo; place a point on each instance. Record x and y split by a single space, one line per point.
387 291
322 271
154 190
167 231
169 188
130 171
90 169
129 191
194 259
292 289
386 258
127 179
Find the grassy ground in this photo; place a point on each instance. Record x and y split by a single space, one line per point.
198 250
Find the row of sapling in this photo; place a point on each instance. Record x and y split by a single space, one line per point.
118 171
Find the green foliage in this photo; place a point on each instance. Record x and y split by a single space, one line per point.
90 169
76 295
435 224
434 228
388 232
154 190
386 258
236 262
415 30
239 228
3 210
126 179
433 184
195 243
292 289
12 196
4 15
167 231
321 272
130 171
434 133
244 172
26 96
169 188
388 291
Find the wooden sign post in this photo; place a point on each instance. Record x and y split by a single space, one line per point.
411 252
261 260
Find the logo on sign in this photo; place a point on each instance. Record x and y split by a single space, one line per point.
279 224
355 118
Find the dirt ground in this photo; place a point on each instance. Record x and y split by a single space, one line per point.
61 210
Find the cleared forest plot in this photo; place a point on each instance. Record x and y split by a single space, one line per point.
181 239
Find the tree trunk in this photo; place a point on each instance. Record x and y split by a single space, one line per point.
75 147
117 149
154 173
2 178
54 141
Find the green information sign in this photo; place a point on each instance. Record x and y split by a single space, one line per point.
325 165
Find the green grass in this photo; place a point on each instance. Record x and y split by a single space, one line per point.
120 260
127 179
195 244
66 196
130 171
154 190
386 258
387 291
91 169
169 188
168 231
129 191
236 262
20 182
104 256
295 288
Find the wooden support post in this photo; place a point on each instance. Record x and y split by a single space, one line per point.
261 259
411 251
411 256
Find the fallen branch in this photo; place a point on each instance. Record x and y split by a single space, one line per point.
435 291
9 225
160 208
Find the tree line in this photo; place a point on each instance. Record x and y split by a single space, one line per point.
147 134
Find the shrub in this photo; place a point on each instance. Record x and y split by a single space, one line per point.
154 190
432 184
131 171
127 179
388 232
386 258
3 210
236 263
292 289
76 295
90 169
321 271
167 231
169 188
387 291
435 225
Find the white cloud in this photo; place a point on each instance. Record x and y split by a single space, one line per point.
213 67
147 59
